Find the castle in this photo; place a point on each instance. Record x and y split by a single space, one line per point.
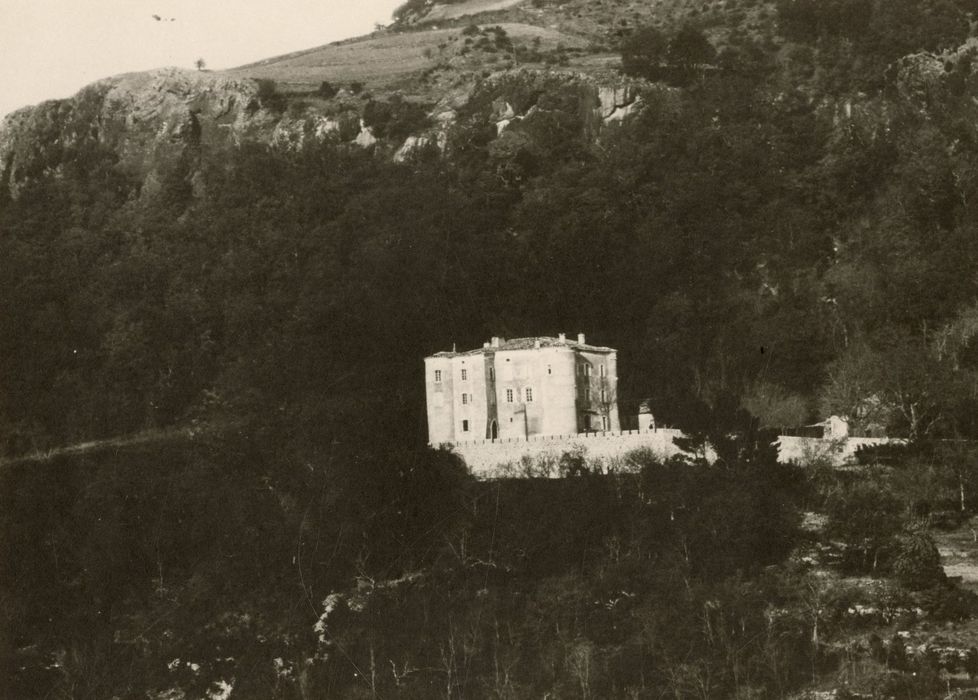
537 398
520 389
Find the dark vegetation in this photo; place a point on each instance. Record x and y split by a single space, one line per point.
380 573
781 233
424 583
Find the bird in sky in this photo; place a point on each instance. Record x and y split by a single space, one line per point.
160 19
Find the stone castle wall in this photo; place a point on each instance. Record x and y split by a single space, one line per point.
488 458
540 455
836 452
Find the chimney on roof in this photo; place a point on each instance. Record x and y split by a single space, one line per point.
485 345
561 337
580 338
495 341
536 343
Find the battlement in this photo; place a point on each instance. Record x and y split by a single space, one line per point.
491 458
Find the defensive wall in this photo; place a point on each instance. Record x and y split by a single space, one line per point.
540 455
836 452
488 458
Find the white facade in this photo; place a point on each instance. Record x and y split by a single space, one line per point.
521 388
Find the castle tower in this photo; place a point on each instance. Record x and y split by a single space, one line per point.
521 388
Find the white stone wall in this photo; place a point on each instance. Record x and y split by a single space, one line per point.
837 453
488 458
549 374
504 457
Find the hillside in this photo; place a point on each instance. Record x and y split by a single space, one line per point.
388 60
769 210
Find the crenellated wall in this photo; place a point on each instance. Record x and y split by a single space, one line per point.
504 456
489 458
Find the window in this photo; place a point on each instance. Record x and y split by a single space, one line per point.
509 396
492 374
604 370
603 399
465 374
604 422
465 426
465 399
529 394
587 370
437 375
587 393
550 369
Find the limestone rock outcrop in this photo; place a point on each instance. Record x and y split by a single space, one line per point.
151 121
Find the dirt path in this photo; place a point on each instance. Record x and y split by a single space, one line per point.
145 437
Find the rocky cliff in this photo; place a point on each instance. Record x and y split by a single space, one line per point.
164 123
150 121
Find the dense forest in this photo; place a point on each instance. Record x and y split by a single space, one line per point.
786 229
760 238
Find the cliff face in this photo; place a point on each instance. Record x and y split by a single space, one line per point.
151 121
163 124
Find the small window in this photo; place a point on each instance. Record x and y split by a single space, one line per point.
587 393
604 422
465 399
465 374
603 396
437 375
509 396
465 426
550 369
529 394
587 370
604 370
492 374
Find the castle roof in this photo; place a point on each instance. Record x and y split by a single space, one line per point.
530 343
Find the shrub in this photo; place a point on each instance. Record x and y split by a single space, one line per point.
327 90
409 7
917 564
268 95
395 119
643 52
948 602
865 515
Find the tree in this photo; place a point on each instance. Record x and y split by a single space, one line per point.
327 90
918 563
894 380
866 515
200 64
690 49
269 96
643 53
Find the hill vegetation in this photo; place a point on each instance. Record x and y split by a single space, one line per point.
780 226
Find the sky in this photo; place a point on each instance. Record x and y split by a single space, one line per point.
53 48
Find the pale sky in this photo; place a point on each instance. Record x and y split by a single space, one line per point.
53 48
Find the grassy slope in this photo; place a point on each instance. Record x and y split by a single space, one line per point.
592 28
380 60
603 23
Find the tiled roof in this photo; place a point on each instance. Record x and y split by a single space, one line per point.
530 343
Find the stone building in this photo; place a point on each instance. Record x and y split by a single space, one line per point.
521 388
